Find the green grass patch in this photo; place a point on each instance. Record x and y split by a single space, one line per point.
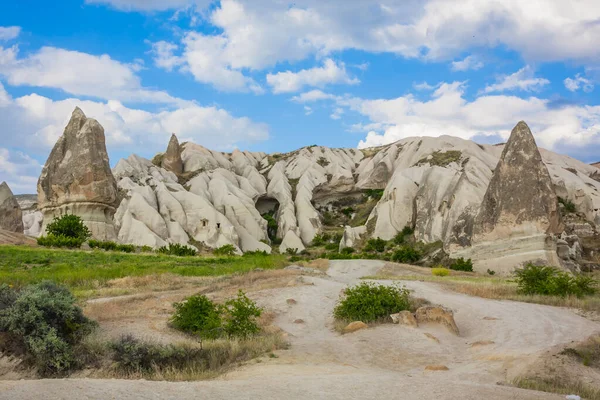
85 270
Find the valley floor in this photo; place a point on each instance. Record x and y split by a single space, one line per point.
498 342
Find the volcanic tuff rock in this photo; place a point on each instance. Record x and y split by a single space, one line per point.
172 158
32 218
77 178
519 209
11 217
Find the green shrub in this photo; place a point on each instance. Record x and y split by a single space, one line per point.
375 194
7 298
70 226
45 322
198 315
491 272
256 253
332 246
460 264
568 204
241 314
440 271
318 240
291 251
368 302
146 249
348 211
133 355
225 250
347 250
549 281
60 241
401 236
126 248
406 254
376 244
176 249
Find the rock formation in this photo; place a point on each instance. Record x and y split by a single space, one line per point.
77 178
32 218
172 158
519 212
11 217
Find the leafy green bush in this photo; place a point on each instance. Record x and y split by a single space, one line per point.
225 250
332 246
291 251
318 240
368 302
241 314
45 322
256 253
70 226
348 211
126 248
549 281
375 194
376 244
440 271
60 241
401 236
460 264
176 249
146 249
406 254
347 250
198 315
134 355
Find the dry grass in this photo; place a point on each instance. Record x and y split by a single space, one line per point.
560 386
496 288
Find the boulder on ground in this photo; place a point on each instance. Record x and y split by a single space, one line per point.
77 179
404 318
11 216
439 315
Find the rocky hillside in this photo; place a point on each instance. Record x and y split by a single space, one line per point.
255 201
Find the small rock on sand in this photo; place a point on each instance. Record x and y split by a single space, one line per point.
355 326
438 314
299 321
291 302
404 318
436 368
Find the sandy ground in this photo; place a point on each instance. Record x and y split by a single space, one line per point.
498 341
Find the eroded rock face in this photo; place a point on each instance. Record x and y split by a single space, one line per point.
437 314
172 159
519 210
11 217
77 179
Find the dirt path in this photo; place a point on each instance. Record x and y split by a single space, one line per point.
498 339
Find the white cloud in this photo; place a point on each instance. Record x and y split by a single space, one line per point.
579 82
20 171
79 74
312 96
448 112
34 123
9 32
164 55
363 67
329 73
337 113
308 110
423 86
523 79
5 99
468 63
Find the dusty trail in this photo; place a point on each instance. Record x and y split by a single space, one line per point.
383 362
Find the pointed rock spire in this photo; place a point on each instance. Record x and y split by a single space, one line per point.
11 216
520 191
77 178
172 158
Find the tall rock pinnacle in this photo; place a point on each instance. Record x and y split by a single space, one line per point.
77 178
11 216
172 159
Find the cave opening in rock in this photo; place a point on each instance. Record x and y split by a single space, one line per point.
268 208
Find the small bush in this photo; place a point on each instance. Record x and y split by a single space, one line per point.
332 246
70 226
549 281
291 251
319 240
256 253
60 241
225 250
461 264
375 194
406 254
146 249
368 302
568 204
45 322
176 249
376 244
401 236
347 250
491 272
198 315
241 314
126 248
348 211
440 271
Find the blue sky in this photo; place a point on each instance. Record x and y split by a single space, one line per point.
271 75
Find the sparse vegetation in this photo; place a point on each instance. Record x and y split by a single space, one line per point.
375 194
369 302
323 162
177 249
111 246
225 250
272 226
569 206
441 158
